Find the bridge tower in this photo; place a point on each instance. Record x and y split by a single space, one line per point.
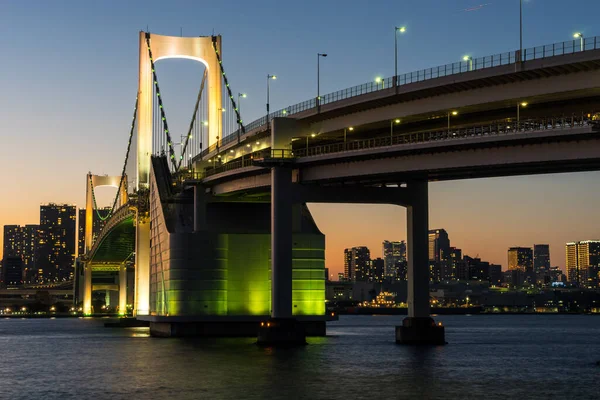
94 181
201 49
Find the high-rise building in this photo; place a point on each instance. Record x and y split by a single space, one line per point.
439 245
520 258
12 241
583 259
541 258
376 270
392 253
12 271
356 260
21 241
56 244
97 226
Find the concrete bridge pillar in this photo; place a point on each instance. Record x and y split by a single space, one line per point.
281 329
418 327
123 289
281 243
87 289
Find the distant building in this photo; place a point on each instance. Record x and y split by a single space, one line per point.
21 241
495 274
439 245
583 259
326 274
392 253
341 276
356 260
401 270
541 258
12 271
56 245
376 270
520 258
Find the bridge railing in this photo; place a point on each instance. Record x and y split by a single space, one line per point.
464 66
492 129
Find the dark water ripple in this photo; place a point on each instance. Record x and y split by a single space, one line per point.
529 357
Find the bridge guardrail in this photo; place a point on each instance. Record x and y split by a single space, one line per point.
491 129
464 66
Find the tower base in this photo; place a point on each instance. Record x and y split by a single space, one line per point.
419 331
281 332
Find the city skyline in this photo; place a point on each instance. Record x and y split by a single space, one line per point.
484 216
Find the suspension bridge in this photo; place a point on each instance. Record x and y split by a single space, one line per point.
218 235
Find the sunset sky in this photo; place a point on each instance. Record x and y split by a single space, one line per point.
69 79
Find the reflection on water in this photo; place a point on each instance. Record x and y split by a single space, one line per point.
488 357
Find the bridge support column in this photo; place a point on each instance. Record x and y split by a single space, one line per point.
282 329
418 327
87 289
142 267
123 290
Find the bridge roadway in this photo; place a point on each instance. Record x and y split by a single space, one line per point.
491 90
383 147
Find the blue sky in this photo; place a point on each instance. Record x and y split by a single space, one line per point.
69 78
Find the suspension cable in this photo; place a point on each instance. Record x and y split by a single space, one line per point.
189 133
235 108
122 180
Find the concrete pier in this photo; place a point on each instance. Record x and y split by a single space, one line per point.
418 327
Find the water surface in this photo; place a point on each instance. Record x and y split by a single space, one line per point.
512 356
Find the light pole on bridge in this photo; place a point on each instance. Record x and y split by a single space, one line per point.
519 105
469 61
580 36
379 80
319 55
392 122
455 113
397 29
269 77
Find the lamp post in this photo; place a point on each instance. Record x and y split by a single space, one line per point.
453 113
519 105
350 129
520 30
311 135
580 36
397 29
469 61
269 77
379 80
392 122
319 55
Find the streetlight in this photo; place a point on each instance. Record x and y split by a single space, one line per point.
469 61
520 30
455 113
379 80
580 36
269 77
312 135
392 122
350 129
519 105
319 55
397 29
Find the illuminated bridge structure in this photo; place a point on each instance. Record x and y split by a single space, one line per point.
227 236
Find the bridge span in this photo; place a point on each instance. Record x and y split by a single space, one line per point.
225 240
